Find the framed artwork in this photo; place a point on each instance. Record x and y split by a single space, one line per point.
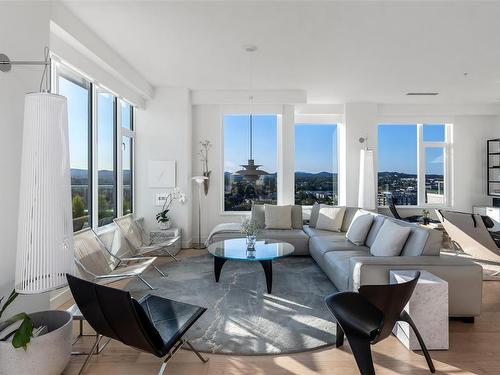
161 174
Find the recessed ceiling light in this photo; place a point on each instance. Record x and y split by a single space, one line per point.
422 93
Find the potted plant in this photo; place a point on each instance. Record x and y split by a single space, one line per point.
205 146
425 217
250 229
162 217
41 344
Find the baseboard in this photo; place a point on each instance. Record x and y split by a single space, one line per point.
59 299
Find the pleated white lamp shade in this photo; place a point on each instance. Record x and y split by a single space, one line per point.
366 195
45 231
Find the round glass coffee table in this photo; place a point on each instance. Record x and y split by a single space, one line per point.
236 249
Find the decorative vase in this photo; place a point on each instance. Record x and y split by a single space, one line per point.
251 240
164 225
206 183
46 354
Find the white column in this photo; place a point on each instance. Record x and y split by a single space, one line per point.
360 121
286 156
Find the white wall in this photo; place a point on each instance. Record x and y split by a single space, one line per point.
24 27
472 126
164 132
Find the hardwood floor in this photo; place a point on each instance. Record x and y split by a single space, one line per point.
474 349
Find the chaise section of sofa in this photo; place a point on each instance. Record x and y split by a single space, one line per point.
465 278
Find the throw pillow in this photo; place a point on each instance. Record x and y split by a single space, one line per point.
278 217
259 215
359 228
313 218
390 240
297 217
330 218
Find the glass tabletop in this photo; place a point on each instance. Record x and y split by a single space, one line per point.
236 248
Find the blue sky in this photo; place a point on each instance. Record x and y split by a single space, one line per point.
77 121
316 148
105 121
315 145
78 125
397 148
236 141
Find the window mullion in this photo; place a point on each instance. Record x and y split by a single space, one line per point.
420 166
94 158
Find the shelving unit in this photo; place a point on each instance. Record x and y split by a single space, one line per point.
493 165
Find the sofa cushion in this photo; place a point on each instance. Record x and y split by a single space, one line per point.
278 217
378 221
297 237
313 232
348 216
359 228
320 245
297 221
313 218
390 240
259 215
336 265
330 218
421 241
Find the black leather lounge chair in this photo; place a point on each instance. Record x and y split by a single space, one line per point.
369 316
153 324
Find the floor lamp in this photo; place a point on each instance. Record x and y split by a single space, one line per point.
366 197
45 252
199 180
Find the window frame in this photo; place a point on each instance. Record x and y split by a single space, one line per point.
422 145
256 111
60 68
129 133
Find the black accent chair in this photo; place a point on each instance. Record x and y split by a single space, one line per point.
410 219
369 316
153 324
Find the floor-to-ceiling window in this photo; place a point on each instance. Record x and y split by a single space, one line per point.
249 137
316 164
78 92
101 143
413 164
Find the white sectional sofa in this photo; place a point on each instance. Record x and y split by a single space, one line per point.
349 266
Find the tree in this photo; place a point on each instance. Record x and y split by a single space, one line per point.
78 206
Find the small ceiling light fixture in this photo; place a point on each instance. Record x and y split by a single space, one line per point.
251 171
422 94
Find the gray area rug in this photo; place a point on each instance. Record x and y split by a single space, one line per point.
242 318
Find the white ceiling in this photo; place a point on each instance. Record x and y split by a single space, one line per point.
336 51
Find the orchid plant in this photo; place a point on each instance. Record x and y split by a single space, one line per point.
175 195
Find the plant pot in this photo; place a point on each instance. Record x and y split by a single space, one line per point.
47 354
164 225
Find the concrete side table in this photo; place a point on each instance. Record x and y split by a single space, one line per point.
158 236
428 308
